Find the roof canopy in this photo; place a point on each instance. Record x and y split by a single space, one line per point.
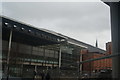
26 34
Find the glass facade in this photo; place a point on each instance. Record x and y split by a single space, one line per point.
25 58
33 49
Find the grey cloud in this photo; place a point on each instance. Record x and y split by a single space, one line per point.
78 20
54 10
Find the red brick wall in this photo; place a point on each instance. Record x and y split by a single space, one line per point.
108 52
86 66
109 48
99 64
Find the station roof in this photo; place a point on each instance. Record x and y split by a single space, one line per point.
28 34
89 47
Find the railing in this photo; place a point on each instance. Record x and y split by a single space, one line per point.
109 56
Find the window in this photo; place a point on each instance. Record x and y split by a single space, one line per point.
26 49
56 54
51 53
4 45
47 53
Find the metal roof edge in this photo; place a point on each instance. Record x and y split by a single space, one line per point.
45 30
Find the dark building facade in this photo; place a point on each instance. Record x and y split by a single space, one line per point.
26 49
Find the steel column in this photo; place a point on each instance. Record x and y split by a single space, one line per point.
0 47
60 58
8 56
59 62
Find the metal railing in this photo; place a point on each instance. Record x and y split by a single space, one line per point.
108 56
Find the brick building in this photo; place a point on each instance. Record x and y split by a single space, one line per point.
109 48
108 52
95 66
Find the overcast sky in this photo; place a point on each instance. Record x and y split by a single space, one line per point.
84 21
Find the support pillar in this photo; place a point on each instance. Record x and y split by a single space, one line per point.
60 58
8 56
59 62
115 27
0 48
81 64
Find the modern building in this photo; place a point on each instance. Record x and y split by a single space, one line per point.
26 49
